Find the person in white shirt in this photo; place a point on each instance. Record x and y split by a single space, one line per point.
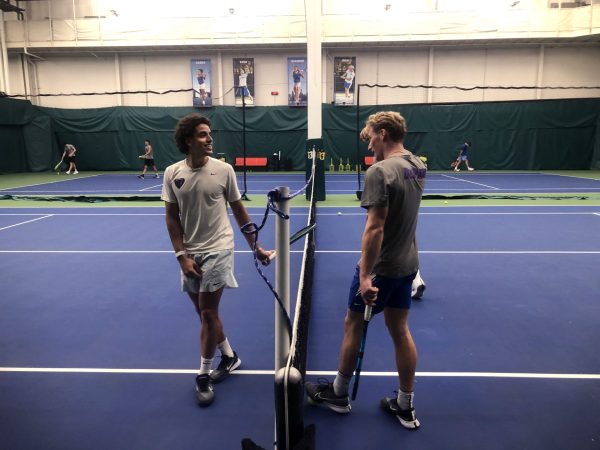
196 192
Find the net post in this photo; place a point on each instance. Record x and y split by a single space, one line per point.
282 279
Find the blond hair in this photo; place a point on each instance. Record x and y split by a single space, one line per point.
390 121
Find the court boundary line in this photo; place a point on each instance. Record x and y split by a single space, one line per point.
150 187
577 376
473 182
28 221
360 213
421 252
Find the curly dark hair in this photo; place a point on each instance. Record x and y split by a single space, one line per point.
186 128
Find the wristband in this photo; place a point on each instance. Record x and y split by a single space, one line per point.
180 253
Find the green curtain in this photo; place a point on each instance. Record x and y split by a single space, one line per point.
525 135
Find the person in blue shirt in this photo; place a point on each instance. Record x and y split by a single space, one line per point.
463 156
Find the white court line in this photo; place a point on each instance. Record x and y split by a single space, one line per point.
73 192
151 187
47 182
568 176
363 212
480 252
421 252
572 376
467 181
28 221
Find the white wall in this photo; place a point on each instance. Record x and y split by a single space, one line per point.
455 66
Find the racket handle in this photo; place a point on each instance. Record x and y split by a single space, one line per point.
368 313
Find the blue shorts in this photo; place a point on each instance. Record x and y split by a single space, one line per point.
463 157
393 293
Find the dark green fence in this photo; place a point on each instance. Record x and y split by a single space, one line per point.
527 135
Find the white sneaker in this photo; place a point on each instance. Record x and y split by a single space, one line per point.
68 173
76 172
418 286
471 169
457 170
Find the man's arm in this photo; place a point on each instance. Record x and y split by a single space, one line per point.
175 229
242 218
372 239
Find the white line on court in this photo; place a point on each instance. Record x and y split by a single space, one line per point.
421 252
151 187
468 181
482 252
572 376
27 221
341 208
47 182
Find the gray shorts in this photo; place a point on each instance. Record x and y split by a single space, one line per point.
217 272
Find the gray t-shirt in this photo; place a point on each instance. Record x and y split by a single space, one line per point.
396 183
202 195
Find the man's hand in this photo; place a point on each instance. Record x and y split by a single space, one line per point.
368 291
265 256
189 267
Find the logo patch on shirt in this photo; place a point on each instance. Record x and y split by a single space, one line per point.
179 182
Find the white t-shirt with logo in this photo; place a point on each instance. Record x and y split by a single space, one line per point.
202 195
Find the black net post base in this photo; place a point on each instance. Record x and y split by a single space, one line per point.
289 403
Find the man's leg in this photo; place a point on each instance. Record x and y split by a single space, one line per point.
211 329
335 394
353 326
211 332
396 320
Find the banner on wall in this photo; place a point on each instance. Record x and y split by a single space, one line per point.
243 80
344 80
297 88
201 78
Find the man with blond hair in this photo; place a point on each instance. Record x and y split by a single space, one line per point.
388 265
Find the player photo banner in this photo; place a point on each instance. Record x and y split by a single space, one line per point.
344 80
243 80
297 91
201 77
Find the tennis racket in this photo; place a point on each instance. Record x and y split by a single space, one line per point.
361 351
453 164
56 167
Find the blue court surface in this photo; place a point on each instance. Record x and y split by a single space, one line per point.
490 183
98 348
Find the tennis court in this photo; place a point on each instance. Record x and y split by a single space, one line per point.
492 183
98 345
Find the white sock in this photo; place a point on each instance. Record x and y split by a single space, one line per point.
340 384
225 348
405 399
205 365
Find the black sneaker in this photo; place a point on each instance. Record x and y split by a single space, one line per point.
406 417
322 392
227 365
204 390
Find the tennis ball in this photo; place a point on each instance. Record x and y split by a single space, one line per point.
445 201
339 213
